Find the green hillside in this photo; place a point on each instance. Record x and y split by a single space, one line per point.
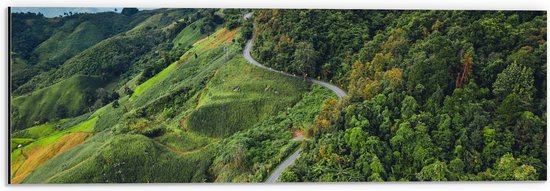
59 39
239 95
163 122
34 152
63 45
68 98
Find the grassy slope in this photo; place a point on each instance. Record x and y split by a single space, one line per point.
20 71
179 155
29 135
267 144
111 56
188 36
88 61
65 38
63 45
200 46
123 158
45 102
222 110
25 159
151 81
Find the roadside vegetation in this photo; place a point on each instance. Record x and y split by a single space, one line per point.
433 95
160 109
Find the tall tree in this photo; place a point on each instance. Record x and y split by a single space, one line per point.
515 79
305 58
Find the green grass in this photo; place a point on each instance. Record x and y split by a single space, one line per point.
44 103
108 117
151 81
267 143
86 126
223 111
69 158
122 158
23 141
188 36
185 141
43 130
39 130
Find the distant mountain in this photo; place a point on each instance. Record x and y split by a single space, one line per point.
56 11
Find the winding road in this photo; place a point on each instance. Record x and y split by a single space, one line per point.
338 91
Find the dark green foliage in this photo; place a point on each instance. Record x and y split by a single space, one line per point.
68 98
234 17
331 33
154 132
210 21
28 31
129 11
58 39
434 95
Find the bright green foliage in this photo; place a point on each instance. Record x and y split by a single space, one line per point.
147 84
434 172
235 102
509 168
251 155
515 79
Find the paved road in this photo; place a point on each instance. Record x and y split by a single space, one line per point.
246 52
338 91
275 175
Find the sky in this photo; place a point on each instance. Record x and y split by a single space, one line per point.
56 11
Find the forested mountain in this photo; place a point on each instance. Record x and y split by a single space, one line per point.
433 95
167 95
147 96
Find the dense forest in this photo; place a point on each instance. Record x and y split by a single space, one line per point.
433 95
166 95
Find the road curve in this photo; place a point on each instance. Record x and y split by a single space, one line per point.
246 53
338 91
275 175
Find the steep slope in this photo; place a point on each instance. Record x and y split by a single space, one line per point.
68 98
27 158
114 59
160 138
58 39
77 34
